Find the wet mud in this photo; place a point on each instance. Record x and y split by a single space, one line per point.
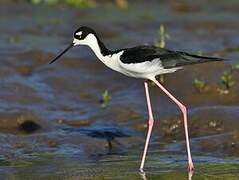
52 124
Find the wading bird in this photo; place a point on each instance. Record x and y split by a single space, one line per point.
144 62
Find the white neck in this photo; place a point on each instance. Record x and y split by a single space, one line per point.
110 59
92 42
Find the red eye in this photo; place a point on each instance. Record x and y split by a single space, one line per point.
78 36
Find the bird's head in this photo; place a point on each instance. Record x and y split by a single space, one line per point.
81 36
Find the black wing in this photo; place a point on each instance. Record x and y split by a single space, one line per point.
169 59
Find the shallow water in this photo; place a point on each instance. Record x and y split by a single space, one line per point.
52 125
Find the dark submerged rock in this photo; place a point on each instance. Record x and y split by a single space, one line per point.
29 126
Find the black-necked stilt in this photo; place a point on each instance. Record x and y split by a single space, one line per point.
141 62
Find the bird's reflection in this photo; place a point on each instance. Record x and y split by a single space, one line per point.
144 177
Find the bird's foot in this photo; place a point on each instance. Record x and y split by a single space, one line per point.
190 170
142 174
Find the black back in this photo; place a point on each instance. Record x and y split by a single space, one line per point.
168 58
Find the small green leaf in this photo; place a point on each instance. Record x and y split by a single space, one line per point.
227 79
105 99
200 85
235 67
36 1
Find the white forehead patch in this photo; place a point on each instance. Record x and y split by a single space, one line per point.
79 33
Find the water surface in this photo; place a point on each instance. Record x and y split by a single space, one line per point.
52 125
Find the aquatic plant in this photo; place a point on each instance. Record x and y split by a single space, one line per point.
235 67
161 43
44 1
162 36
81 3
73 3
106 97
200 85
122 4
227 79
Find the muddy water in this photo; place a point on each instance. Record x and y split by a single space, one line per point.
52 125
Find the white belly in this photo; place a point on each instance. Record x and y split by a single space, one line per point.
145 70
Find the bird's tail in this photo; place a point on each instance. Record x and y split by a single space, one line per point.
195 59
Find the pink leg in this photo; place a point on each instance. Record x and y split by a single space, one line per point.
184 111
190 175
150 126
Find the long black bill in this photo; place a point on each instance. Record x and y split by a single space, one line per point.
63 52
